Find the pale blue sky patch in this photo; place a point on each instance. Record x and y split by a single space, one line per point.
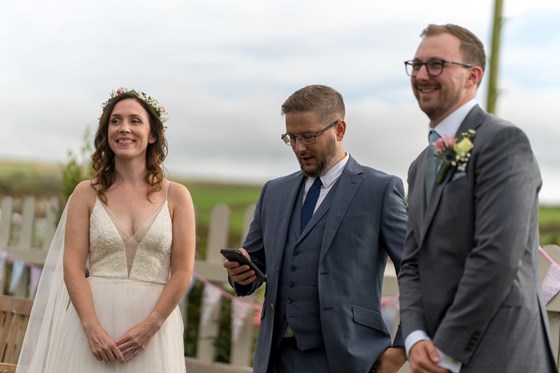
223 68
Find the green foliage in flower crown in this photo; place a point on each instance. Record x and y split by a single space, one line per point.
160 110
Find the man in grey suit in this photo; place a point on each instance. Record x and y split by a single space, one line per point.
322 306
469 289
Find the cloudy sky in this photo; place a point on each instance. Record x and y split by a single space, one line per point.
224 67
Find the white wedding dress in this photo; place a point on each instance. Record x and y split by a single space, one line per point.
127 273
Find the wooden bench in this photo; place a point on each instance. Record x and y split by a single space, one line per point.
14 316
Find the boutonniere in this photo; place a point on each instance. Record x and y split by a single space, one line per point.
453 153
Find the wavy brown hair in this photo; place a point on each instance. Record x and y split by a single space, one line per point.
103 159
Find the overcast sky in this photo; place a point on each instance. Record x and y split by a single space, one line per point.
224 67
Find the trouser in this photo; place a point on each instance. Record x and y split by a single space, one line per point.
289 359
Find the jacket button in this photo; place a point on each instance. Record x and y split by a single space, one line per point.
290 301
291 284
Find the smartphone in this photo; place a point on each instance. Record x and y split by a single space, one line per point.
235 255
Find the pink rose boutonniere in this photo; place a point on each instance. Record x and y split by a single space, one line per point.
453 153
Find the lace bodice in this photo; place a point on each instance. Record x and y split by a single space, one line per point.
149 254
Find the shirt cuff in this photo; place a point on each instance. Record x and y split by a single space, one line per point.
413 338
446 361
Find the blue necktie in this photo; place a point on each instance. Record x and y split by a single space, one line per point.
431 165
310 201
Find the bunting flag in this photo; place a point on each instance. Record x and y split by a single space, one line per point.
390 310
18 270
239 308
17 274
239 312
210 299
257 317
3 256
191 286
551 283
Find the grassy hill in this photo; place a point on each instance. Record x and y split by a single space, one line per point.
19 178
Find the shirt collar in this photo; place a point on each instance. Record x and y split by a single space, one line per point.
331 175
450 125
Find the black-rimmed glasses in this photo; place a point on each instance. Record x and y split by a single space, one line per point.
433 67
305 138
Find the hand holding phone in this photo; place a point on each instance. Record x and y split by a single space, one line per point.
235 255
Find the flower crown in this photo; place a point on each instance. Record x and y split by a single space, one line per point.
160 110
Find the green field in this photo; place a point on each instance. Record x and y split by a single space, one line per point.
18 178
206 196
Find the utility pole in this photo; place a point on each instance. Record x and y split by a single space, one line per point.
494 57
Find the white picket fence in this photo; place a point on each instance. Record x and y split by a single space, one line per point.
28 224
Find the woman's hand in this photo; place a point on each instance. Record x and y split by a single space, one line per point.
102 345
136 339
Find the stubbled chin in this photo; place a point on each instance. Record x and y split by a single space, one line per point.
427 100
307 166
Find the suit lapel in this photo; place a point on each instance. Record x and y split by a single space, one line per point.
417 194
292 188
472 121
417 189
342 193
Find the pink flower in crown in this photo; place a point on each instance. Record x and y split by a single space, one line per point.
160 110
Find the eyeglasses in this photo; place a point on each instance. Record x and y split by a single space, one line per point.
306 138
434 67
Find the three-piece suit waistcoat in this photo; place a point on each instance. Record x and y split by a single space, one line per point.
298 296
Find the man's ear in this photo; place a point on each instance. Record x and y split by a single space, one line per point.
340 129
475 76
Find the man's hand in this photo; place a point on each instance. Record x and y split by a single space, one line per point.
240 273
424 358
390 361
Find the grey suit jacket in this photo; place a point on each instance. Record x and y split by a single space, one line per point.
469 272
366 221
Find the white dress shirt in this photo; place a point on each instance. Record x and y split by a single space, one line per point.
328 180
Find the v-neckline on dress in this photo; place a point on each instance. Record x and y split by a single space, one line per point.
132 240
124 233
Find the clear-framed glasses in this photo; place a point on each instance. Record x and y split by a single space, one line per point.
305 138
434 67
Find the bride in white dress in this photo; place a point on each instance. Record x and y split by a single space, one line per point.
134 231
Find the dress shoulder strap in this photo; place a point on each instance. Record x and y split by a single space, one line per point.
166 185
